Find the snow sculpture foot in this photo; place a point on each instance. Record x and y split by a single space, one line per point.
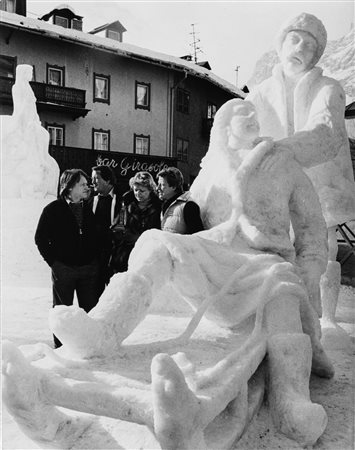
120 309
25 400
330 286
176 408
289 369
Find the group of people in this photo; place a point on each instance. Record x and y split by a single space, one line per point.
86 238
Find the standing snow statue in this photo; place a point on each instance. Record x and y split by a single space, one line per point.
304 110
28 170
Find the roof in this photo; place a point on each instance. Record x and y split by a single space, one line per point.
119 48
204 64
66 9
116 25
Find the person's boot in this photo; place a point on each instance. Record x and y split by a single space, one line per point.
330 287
293 413
121 307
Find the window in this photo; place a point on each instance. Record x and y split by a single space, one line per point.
77 24
101 139
183 101
56 134
7 66
61 21
113 35
141 144
55 75
182 147
142 95
211 110
8 5
101 88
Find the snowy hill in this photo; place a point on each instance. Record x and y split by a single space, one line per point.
337 61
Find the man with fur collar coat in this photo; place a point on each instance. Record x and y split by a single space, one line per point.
304 111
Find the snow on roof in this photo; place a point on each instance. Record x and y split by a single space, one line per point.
65 6
119 48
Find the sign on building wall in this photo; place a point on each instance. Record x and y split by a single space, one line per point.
125 165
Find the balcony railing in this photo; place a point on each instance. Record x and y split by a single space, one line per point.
48 96
60 95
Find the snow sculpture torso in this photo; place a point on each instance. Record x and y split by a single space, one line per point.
259 204
317 135
28 169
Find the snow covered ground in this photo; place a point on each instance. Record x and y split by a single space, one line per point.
26 300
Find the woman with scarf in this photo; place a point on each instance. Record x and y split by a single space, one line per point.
140 211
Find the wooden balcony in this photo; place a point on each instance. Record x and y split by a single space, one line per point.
50 97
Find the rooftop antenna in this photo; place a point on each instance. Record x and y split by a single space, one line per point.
236 75
194 43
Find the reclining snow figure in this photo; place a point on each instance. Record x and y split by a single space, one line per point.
242 271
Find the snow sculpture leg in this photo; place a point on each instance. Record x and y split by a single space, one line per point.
290 360
330 287
330 281
122 306
321 365
24 397
293 412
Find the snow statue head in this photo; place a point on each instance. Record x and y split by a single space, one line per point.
28 169
301 42
234 133
235 127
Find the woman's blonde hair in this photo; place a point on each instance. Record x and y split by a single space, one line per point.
143 179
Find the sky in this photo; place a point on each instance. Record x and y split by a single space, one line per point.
232 34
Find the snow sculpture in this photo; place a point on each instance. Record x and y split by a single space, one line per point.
28 171
243 273
304 111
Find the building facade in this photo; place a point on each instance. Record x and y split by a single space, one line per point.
107 102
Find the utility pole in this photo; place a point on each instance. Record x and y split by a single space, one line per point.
194 43
236 75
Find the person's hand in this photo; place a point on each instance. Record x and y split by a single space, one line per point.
278 156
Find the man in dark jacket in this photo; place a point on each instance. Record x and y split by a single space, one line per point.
179 213
105 206
67 238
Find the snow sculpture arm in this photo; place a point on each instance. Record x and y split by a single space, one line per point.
43 237
323 135
310 234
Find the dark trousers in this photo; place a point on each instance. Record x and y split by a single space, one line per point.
104 272
80 279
